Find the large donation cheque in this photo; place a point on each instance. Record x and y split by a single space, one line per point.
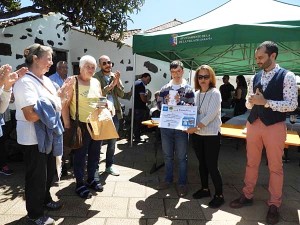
179 117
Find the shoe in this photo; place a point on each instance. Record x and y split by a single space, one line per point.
240 202
217 201
54 205
163 186
44 220
113 171
273 215
95 185
6 171
202 193
182 190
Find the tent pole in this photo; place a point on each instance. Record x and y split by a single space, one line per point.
132 99
190 75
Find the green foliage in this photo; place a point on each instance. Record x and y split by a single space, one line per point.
102 18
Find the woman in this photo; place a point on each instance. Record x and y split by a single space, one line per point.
240 95
206 135
89 91
31 91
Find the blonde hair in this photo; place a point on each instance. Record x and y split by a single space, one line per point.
35 50
211 73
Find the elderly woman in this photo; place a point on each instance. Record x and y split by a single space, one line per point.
206 135
34 95
89 91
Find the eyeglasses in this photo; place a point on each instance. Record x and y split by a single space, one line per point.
108 62
205 77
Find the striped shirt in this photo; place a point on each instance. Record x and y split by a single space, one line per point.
210 111
185 91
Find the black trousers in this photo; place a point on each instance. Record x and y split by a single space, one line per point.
39 173
207 150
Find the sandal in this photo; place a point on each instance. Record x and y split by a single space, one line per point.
52 205
83 192
95 185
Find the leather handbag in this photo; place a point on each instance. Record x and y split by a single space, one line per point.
73 135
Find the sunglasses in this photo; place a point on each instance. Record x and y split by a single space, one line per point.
205 77
108 62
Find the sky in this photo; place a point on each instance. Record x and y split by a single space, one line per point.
156 12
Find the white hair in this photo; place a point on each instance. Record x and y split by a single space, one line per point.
87 59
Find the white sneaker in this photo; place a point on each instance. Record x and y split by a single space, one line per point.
113 171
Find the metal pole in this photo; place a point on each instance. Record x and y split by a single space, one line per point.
132 99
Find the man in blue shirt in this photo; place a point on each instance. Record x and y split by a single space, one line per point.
61 73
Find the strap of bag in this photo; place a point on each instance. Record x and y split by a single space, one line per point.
76 92
39 82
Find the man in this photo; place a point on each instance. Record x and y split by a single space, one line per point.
226 90
266 126
61 73
175 141
140 104
112 88
58 79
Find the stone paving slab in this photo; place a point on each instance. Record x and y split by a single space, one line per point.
132 198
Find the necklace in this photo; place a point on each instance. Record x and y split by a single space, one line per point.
200 104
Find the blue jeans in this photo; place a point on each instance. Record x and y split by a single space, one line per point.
174 141
111 145
91 148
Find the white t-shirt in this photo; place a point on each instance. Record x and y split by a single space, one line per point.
27 91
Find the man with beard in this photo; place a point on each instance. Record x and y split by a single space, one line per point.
266 126
112 88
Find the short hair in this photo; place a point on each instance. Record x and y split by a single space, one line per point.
37 50
175 64
60 63
271 47
211 72
146 75
87 59
226 76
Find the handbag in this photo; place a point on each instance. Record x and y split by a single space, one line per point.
100 125
73 135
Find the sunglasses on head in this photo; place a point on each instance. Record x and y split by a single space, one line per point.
205 77
108 62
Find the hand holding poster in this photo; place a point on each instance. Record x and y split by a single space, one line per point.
179 117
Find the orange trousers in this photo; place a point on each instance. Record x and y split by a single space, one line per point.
273 138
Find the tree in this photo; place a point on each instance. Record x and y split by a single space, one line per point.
99 17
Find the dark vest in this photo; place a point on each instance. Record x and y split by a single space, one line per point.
274 91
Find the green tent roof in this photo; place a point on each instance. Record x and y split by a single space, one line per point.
229 49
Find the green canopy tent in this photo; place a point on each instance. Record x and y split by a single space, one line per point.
226 45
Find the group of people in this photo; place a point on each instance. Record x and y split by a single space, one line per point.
265 128
41 136
44 108
232 97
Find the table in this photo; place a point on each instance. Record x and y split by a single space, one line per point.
235 131
242 120
155 165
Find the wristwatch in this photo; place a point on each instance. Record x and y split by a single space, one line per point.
267 105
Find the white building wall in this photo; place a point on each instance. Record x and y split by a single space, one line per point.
77 44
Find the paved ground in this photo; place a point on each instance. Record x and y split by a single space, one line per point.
131 199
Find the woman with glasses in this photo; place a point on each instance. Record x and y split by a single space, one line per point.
206 135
